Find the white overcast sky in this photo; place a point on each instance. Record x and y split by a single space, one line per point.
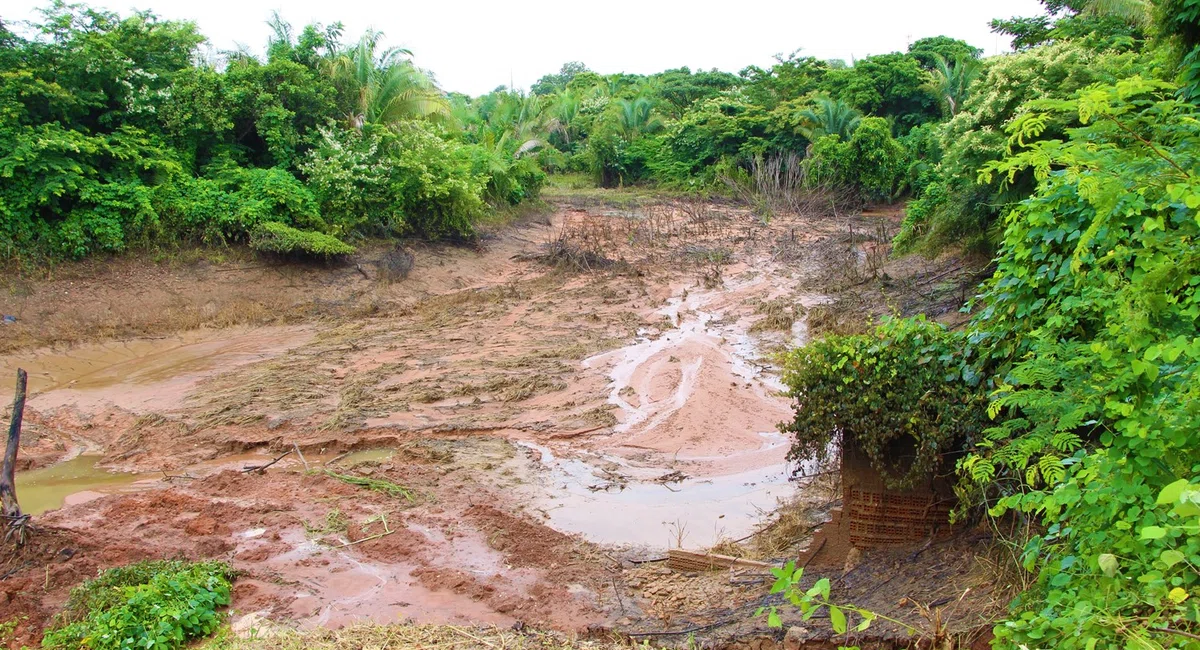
473 46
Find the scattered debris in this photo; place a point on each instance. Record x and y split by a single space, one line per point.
681 560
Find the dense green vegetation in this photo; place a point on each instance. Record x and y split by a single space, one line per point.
1083 345
1067 406
157 605
115 134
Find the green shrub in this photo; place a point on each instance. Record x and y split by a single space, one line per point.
510 178
1090 325
904 384
350 177
201 210
724 127
433 182
871 162
158 605
275 237
878 161
967 211
270 194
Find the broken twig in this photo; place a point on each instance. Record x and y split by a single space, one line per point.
260 468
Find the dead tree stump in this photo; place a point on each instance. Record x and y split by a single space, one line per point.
17 522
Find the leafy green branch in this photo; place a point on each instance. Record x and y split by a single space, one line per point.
810 601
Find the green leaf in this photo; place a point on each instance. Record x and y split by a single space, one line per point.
1108 564
1171 557
838 619
773 619
1172 492
822 587
1153 532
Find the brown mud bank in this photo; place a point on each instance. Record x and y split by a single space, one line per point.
531 418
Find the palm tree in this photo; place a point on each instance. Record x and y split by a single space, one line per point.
280 40
561 114
951 83
636 116
828 116
385 87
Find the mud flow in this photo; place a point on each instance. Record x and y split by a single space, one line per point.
493 440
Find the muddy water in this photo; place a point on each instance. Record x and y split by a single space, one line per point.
693 513
696 399
74 481
699 392
142 374
693 397
79 480
338 589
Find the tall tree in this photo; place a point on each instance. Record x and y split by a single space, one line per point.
926 50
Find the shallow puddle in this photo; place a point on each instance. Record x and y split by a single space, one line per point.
74 481
79 480
693 513
335 587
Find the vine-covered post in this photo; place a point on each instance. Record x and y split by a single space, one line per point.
16 520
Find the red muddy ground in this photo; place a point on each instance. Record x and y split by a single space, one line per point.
548 417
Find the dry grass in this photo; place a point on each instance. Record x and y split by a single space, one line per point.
778 315
601 416
780 184
451 308
679 234
791 524
411 637
513 388
586 254
296 380
845 315
441 347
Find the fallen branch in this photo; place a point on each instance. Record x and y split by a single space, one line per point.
572 434
1171 630
617 592
471 636
260 468
941 275
337 458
